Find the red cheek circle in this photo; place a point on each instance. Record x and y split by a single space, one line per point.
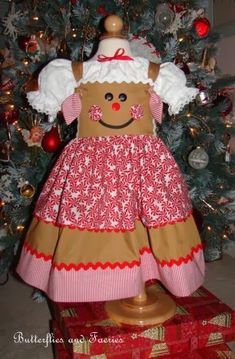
116 106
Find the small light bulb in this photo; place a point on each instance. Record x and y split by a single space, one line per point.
35 18
25 62
209 228
20 228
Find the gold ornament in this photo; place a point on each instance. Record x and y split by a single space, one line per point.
208 62
27 190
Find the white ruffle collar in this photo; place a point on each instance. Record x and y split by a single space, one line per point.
128 71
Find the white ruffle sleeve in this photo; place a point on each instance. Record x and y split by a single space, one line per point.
56 82
171 87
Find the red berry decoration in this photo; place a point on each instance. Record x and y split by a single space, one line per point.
23 42
202 27
51 140
10 114
177 8
102 11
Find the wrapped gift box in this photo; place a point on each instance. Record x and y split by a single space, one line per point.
200 321
60 351
220 351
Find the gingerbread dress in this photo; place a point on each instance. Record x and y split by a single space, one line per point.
115 211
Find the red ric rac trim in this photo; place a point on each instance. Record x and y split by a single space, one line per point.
97 265
37 254
172 222
70 226
177 262
115 265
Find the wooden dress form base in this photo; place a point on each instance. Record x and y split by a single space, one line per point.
148 308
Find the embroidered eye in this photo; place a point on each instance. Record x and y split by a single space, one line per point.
122 97
108 96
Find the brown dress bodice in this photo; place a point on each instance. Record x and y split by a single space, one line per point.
114 122
105 95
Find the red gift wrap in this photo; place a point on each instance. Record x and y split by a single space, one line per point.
220 351
201 321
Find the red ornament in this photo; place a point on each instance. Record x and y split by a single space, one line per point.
10 115
23 42
51 140
32 47
73 2
202 27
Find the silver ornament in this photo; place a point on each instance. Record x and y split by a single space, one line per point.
193 66
206 97
198 158
164 16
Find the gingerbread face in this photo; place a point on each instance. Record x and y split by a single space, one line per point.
114 109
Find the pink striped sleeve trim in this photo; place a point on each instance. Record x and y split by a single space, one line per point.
71 108
156 105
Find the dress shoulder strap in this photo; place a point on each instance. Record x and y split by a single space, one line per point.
77 68
153 71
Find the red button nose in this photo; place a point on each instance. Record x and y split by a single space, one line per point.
116 106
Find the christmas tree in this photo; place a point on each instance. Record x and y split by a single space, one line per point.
35 32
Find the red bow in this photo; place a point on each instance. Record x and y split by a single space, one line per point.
119 55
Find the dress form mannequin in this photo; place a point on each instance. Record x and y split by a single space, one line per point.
150 306
112 40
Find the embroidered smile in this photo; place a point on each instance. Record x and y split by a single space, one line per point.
116 126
